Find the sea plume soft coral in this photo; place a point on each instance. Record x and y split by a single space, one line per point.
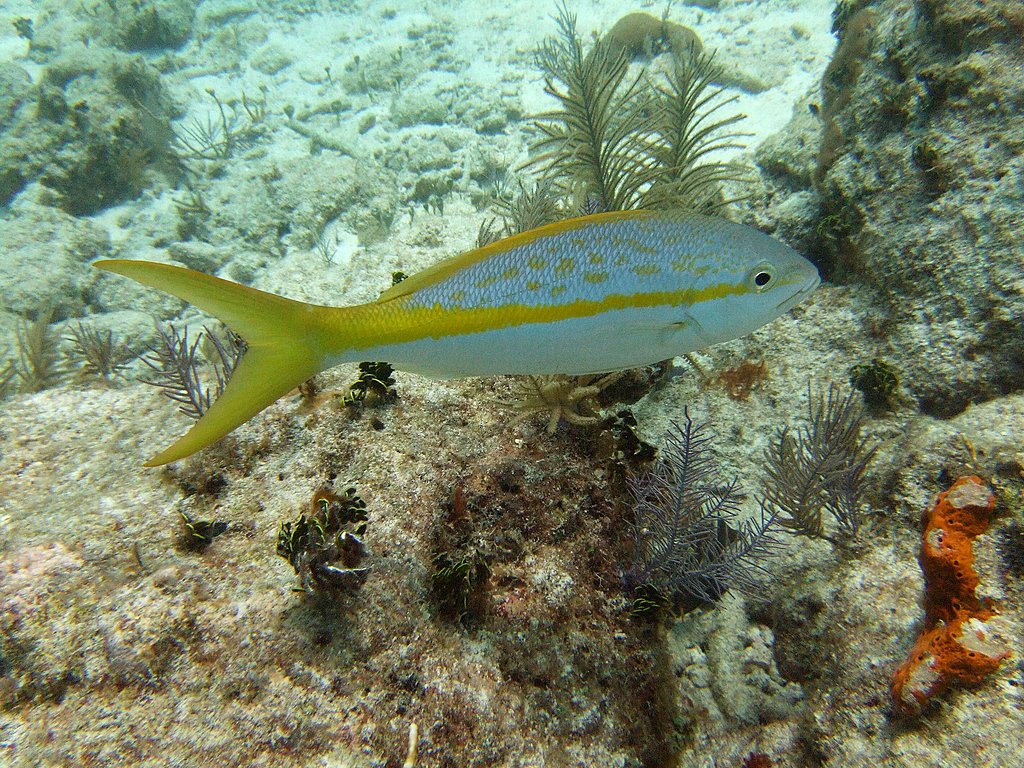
175 364
690 546
622 141
820 467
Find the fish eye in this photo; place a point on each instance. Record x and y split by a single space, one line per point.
762 277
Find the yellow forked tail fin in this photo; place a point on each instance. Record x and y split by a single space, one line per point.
283 337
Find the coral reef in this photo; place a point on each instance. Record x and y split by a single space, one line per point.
493 617
958 644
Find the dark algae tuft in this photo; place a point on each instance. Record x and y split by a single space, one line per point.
325 545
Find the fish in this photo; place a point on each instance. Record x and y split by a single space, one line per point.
592 294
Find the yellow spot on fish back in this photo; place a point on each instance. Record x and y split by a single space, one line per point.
536 262
510 273
595 277
596 258
646 269
532 241
621 260
458 296
565 266
532 285
639 247
486 282
557 290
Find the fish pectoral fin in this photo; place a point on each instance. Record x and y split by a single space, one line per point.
691 324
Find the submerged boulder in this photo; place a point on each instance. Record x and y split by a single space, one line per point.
921 182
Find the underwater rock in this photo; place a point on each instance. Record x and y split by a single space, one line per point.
15 89
271 59
153 25
100 120
46 261
197 255
726 667
219 13
922 182
316 190
788 157
429 50
105 295
36 659
430 100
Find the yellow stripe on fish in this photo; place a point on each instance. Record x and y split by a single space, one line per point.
587 295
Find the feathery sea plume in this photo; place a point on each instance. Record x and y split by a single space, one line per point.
175 364
820 467
690 546
100 353
619 141
40 363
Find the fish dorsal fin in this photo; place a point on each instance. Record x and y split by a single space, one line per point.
449 267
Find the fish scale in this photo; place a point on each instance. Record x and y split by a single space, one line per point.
579 264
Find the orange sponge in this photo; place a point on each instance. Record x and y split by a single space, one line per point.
957 643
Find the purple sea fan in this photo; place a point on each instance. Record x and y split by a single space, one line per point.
690 546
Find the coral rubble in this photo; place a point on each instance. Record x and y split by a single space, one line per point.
957 643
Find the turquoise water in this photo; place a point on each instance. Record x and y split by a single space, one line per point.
730 557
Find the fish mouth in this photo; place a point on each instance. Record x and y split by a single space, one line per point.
805 290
